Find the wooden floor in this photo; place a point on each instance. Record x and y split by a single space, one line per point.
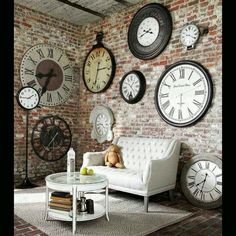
202 223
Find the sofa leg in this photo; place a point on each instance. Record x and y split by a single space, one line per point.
171 195
146 199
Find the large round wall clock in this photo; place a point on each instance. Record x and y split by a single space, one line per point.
183 93
149 31
201 181
102 119
132 86
99 67
47 69
51 138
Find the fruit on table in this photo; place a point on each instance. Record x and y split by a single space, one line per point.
83 171
90 172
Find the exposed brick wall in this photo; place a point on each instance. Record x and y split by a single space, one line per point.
140 119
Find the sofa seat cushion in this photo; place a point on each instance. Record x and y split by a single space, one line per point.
126 178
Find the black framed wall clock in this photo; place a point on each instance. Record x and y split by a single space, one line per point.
51 138
149 31
132 86
201 181
99 67
48 69
183 93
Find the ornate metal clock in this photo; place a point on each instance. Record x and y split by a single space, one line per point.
51 138
47 69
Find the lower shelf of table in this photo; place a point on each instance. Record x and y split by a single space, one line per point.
99 211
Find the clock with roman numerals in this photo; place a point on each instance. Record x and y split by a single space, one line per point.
183 93
47 69
201 181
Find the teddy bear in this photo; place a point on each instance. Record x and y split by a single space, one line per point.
113 157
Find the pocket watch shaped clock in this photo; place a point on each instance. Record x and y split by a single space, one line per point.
99 67
149 31
183 93
201 181
132 86
51 138
47 69
102 119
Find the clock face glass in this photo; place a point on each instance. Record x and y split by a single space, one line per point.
101 124
47 69
98 70
189 35
148 31
28 98
204 181
183 94
130 86
51 138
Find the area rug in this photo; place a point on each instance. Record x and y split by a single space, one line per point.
125 213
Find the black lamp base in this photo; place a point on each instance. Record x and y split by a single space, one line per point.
26 184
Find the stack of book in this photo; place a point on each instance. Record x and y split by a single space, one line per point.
61 201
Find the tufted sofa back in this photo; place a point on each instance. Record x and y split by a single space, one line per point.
136 152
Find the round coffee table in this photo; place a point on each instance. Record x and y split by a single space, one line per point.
77 185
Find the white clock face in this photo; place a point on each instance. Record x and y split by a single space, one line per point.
28 98
189 35
102 124
204 181
148 31
183 94
130 86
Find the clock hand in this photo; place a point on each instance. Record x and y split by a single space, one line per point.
145 32
51 140
204 181
49 76
102 68
96 73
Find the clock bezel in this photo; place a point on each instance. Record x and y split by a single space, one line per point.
164 19
208 79
142 86
196 202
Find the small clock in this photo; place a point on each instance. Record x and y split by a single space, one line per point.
183 93
102 119
149 31
51 138
201 181
47 69
99 67
189 35
28 98
132 86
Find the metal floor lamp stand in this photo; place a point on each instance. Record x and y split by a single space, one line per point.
26 182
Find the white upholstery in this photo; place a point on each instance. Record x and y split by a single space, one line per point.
150 165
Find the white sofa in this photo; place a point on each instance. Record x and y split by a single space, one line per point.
150 166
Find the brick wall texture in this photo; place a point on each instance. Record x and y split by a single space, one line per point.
140 119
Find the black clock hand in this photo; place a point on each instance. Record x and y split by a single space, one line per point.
145 32
102 68
96 73
204 182
51 140
49 76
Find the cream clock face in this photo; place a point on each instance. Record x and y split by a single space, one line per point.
102 119
189 35
47 69
148 31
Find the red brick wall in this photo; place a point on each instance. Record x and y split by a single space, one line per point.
140 119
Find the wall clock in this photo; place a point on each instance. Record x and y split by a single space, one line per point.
201 181
132 86
51 138
189 35
28 98
47 69
99 67
149 31
183 93
102 119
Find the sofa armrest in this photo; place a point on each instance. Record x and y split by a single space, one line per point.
94 159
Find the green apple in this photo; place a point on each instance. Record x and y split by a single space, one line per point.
90 172
83 171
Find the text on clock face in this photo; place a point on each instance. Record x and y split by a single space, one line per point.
183 93
204 181
98 69
130 86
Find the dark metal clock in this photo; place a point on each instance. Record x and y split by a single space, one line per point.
51 138
183 93
132 86
48 69
201 181
149 31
